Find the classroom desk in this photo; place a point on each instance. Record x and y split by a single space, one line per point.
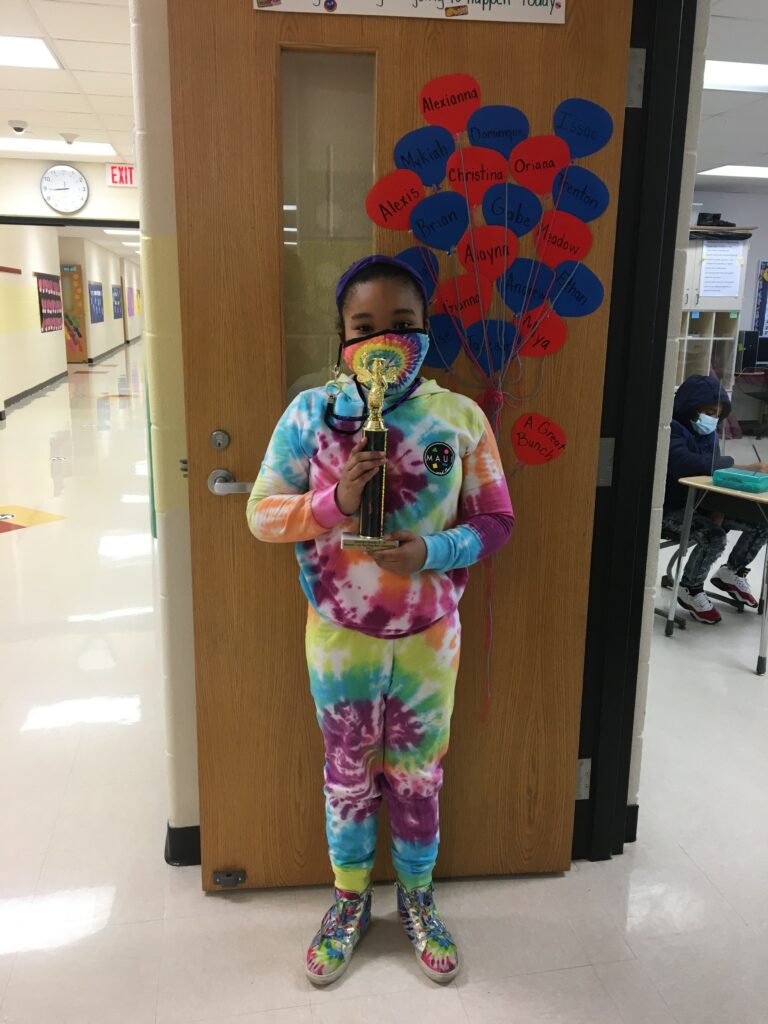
736 505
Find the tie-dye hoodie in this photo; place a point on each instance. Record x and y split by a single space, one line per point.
445 482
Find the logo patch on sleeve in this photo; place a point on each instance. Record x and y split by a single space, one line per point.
439 458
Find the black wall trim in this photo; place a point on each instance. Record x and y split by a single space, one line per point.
630 833
68 222
111 351
182 846
38 387
649 199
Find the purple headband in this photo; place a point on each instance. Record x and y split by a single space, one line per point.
379 260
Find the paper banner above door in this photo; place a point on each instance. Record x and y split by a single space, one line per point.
551 11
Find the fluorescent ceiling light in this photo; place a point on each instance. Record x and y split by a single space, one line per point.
290 243
134 245
23 52
291 229
735 77
737 171
290 206
56 147
121 231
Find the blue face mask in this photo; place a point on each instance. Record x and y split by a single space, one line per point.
705 424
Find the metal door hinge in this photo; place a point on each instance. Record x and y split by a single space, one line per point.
605 462
583 778
229 879
635 77
184 467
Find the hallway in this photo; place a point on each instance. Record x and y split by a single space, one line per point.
96 929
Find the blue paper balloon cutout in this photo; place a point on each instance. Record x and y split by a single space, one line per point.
444 342
576 291
502 339
526 285
424 262
580 192
440 220
512 206
425 151
498 127
584 125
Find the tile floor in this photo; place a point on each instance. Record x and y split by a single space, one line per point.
95 929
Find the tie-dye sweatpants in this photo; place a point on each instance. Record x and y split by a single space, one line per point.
384 707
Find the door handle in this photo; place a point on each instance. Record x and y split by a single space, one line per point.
222 482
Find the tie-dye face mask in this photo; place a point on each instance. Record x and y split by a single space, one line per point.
405 352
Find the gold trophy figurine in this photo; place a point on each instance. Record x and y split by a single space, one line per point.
371 536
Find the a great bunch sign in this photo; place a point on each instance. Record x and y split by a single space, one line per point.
552 11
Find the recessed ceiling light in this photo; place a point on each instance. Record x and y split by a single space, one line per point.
121 231
737 171
55 147
735 77
23 52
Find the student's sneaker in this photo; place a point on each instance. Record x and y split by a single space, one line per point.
699 605
432 942
733 583
342 928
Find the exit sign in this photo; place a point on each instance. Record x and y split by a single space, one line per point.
121 175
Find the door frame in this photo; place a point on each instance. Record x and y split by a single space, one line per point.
649 201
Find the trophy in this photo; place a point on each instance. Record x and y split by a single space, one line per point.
370 538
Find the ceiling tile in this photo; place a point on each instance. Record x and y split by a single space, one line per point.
60 120
93 82
715 101
16 19
87 22
37 79
112 105
747 10
115 123
74 102
737 39
110 57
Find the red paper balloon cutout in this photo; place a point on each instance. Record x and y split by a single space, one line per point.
450 101
536 161
459 298
541 335
392 199
537 439
562 237
491 249
472 170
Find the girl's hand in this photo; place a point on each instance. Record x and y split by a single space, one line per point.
361 467
406 559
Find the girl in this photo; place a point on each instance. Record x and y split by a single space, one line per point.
383 628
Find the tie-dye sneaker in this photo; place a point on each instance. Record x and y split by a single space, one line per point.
342 928
432 942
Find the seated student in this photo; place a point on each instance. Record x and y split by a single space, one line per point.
700 404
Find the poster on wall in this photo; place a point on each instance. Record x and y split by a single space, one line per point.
49 301
721 264
551 11
96 301
129 302
761 300
117 302
74 312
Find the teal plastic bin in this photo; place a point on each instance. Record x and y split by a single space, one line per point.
741 480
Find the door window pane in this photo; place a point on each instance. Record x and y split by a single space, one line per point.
327 129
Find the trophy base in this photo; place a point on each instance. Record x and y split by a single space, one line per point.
354 540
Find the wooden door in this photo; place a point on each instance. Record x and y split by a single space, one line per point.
508 800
